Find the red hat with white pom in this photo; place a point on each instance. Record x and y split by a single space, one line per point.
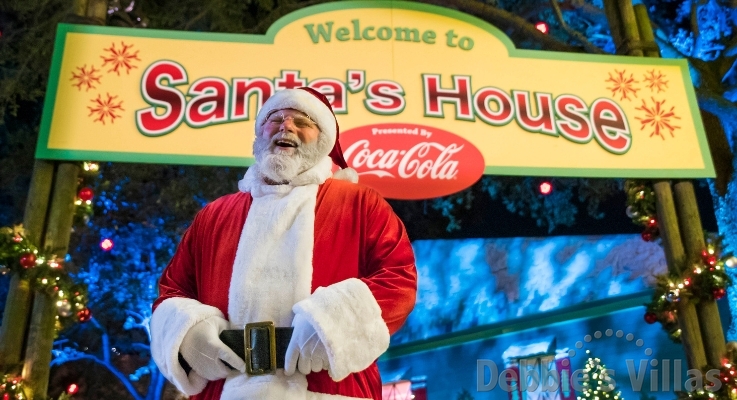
317 107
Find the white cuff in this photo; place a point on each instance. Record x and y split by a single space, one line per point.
169 323
348 320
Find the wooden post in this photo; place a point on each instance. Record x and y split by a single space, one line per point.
676 256
693 238
611 8
630 31
18 303
97 10
645 29
705 313
41 331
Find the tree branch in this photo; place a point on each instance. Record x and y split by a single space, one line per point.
279 12
505 21
196 18
577 35
716 104
121 377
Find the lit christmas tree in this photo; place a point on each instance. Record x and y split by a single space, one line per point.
597 384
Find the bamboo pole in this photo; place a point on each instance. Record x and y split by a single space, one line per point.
693 238
97 10
41 331
615 22
645 29
80 7
630 30
18 303
675 254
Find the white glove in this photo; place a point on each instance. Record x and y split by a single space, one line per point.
205 352
306 352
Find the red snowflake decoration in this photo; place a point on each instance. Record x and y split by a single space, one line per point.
658 118
105 108
85 77
656 81
120 58
622 85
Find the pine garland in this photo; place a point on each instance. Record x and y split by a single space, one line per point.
45 273
726 386
641 207
11 388
705 280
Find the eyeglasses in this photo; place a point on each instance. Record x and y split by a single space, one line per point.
299 120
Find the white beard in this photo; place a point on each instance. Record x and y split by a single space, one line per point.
282 167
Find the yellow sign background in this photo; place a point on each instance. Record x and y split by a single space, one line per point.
71 129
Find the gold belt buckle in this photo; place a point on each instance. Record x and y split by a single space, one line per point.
269 326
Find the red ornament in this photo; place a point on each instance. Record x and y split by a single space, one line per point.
84 315
718 293
670 317
546 188
27 260
711 260
542 27
647 236
6 396
652 222
106 244
86 194
73 388
651 317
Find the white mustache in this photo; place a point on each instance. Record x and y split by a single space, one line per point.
285 136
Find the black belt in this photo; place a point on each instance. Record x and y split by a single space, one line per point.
262 346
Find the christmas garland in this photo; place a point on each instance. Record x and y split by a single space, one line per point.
706 280
11 387
641 207
46 274
726 387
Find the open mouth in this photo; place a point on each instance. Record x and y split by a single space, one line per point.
286 143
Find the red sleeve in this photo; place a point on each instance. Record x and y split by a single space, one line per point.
389 262
179 278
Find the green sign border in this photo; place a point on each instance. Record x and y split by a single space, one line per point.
44 152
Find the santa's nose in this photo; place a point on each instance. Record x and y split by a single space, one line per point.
287 125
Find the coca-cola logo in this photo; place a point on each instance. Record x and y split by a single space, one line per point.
411 162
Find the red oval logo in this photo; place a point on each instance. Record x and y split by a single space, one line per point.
411 162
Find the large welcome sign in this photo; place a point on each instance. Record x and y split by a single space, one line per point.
428 99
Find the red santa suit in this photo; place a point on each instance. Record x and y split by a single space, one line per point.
330 250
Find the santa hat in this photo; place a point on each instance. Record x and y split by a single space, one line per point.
317 107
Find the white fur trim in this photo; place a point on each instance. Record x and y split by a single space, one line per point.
348 320
169 323
324 396
300 100
346 174
274 252
277 386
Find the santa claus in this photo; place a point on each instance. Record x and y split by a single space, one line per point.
290 288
